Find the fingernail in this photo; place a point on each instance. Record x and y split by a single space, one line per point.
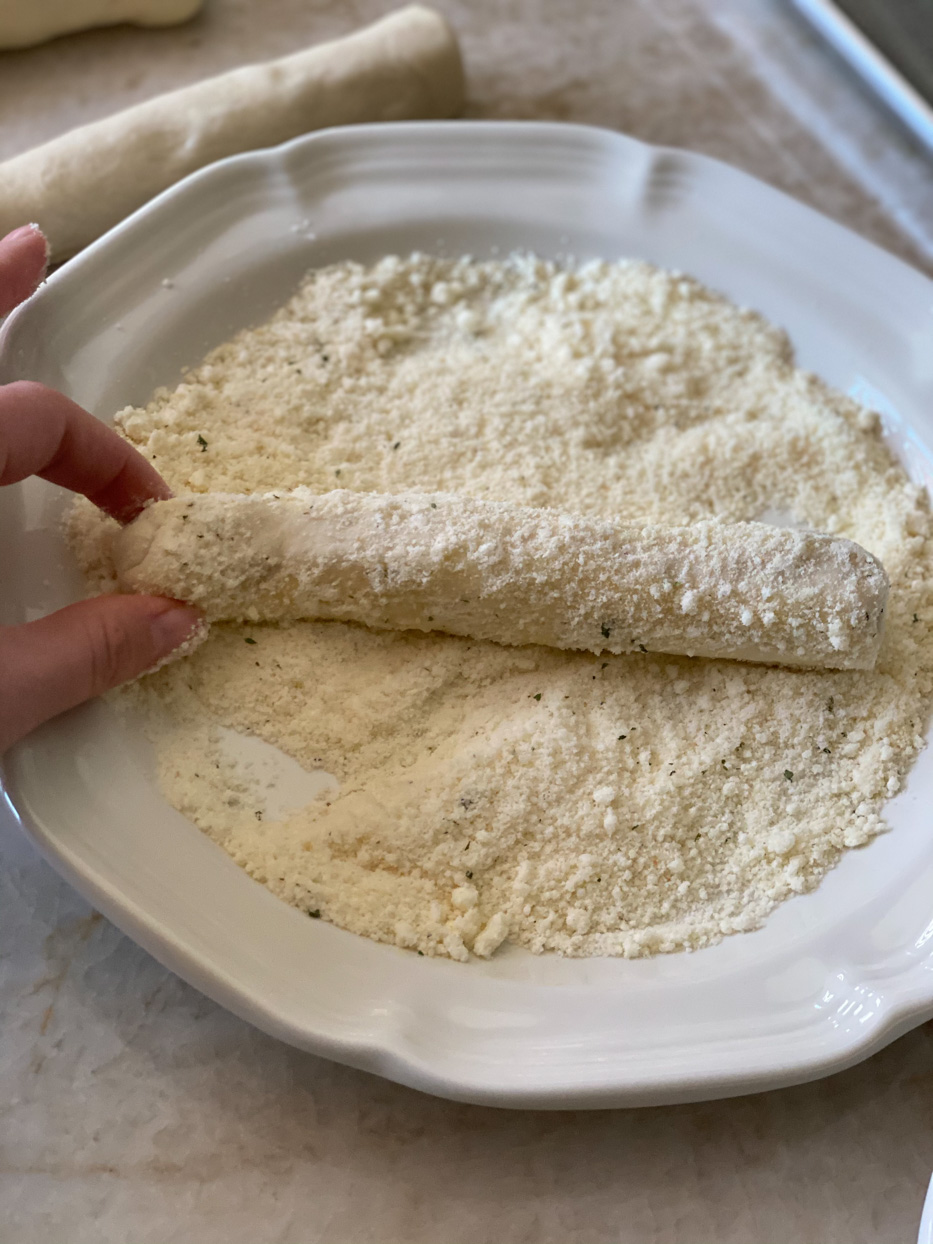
132 510
171 628
28 231
33 230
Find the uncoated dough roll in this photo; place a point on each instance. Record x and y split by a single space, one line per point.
27 22
488 570
406 66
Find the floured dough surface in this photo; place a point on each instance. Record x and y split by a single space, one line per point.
26 22
403 67
585 804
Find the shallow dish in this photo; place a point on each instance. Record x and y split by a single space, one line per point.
832 977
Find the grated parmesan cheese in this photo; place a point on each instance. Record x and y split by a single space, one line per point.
615 804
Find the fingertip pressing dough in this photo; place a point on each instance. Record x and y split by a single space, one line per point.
27 22
405 66
564 801
513 575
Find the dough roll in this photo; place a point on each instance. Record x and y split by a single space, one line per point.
488 570
26 22
406 66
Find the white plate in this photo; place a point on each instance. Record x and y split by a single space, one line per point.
832 977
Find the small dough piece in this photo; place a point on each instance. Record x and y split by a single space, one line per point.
404 67
26 22
515 575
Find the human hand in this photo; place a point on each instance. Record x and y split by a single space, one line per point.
59 661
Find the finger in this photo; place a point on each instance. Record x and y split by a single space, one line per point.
68 657
44 433
24 255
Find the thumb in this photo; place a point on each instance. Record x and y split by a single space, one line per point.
61 660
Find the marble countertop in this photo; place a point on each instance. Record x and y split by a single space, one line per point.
134 1110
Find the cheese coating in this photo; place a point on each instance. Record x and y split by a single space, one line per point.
515 575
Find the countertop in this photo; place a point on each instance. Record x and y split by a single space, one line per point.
134 1110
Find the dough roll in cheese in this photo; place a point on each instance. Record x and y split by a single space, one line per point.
488 570
77 186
